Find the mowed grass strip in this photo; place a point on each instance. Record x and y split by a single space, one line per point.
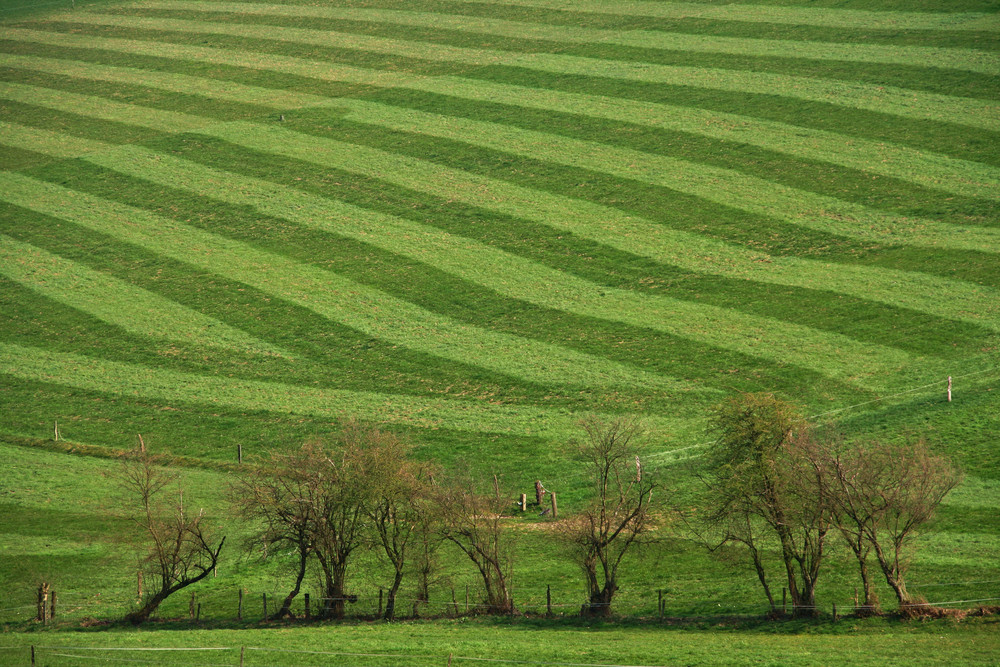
722 186
900 162
768 13
117 302
864 129
333 296
88 373
632 234
515 277
960 59
883 99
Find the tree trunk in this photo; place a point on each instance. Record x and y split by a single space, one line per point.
286 607
390 604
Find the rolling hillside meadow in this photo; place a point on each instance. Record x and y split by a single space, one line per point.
475 222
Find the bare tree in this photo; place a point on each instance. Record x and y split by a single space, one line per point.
181 551
474 522
763 477
618 516
882 494
274 495
396 502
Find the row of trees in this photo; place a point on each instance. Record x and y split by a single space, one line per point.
770 485
771 478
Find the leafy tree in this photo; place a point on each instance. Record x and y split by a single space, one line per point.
764 483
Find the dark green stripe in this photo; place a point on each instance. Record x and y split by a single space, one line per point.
925 78
330 354
435 290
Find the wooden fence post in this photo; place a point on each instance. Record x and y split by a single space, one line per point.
308 614
239 607
43 603
53 614
548 599
32 655
265 605
949 389
524 502
239 454
56 433
659 602
555 508
784 591
242 649
380 603
835 611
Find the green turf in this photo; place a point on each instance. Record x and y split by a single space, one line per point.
228 223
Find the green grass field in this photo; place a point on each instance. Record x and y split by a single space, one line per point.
477 221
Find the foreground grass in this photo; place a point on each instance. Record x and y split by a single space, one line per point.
521 642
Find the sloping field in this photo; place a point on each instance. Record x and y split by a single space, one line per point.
231 223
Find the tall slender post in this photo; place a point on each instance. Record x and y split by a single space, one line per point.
239 454
242 649
53 613
467 598
239 607
949 389
659 602
548 599
555 508
380 603
524 502
784 592
308 614
265 605
57 431
139 584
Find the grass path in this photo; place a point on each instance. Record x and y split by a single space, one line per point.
117 302
900 162
883 99
331 295
88 373
960 59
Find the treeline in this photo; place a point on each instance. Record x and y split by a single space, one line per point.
769 484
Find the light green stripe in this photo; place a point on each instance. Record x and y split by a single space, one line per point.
88 373
815 16
516 277
949 58
614 228
47 142
883 99
609 226
724 186
117 302
333 296
926 169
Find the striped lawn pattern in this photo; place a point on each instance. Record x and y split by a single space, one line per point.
450 146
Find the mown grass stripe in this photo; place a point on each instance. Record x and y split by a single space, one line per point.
618 230
333 296
900 162
102 108
516 277
53 144
960 59
787 15
722 186
117 302
883 99
898 288
88 373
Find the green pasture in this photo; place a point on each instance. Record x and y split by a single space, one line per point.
477 221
